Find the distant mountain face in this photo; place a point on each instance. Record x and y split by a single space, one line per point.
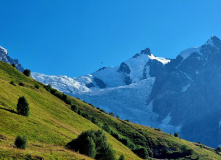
177 95
5 58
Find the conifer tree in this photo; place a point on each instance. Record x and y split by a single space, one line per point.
23 107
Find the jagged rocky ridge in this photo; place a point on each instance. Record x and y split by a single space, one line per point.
177 95
5 58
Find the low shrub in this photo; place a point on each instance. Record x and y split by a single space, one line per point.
21 142
21 84
12 83
36 86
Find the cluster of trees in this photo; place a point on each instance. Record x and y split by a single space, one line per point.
93 144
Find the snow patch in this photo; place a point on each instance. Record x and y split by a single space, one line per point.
160 59
137 66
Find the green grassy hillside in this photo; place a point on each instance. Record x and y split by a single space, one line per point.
52 124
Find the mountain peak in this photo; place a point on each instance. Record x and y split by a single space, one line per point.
214 41
3 50
146 51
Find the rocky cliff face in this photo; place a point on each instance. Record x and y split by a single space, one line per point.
5 58
177 95
188 91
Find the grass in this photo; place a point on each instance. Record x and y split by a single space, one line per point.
52 124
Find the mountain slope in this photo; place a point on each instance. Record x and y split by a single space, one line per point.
173 95
52 124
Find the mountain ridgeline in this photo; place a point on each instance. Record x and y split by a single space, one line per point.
177 95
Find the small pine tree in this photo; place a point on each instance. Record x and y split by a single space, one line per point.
122 157
176 134
27 72
118 116
21 142
36 86
13 65
23 106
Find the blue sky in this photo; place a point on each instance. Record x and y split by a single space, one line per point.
73 37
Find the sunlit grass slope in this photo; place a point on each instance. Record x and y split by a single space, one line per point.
52 124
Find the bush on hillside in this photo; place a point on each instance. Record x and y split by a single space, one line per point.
13 65
48 88
21 142
12 83
218 149
122 157
27 72
111 114
176 134
21 84
74 108
23 106
106 128
94 120
142 153
158 129
94 144
36 86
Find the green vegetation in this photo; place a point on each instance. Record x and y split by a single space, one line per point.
21 142
54 122
36 86
13 65
21 84
94 144
27 72
12 83
23 106
122 157
176 135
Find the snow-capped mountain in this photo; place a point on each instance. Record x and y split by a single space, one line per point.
123 89
5 58
177 95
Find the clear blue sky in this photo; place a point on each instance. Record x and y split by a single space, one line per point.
73 37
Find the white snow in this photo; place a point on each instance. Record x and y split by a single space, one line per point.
160 59
137 66
110 76
186 53
4 50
